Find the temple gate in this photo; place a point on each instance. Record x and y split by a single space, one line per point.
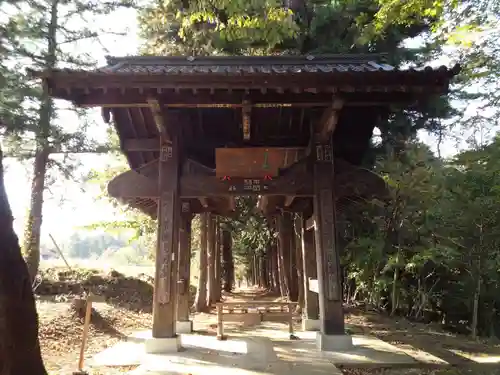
199 131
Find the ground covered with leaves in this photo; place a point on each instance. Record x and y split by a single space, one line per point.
415 339
122 306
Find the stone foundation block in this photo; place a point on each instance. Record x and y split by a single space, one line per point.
162 345
310 324
333 343
184 326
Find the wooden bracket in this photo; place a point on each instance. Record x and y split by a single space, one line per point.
289 200
246 116
159 118
328 122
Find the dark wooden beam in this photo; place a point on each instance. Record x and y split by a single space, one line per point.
232 99
295 180
328 122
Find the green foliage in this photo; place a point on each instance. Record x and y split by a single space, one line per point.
208 27
435 241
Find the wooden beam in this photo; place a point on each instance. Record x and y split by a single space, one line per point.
115 98
250 162
295 180
328 122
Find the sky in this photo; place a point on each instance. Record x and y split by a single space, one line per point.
70 205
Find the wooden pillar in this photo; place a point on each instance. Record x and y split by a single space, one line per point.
165 287
327 255
184 267
311 304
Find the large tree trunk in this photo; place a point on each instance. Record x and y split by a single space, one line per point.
19 345
284 232
227 261
218 265
299 262
294 280
32 231
274 267
201 292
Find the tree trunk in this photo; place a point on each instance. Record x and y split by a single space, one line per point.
217 270
299 262
211 286
395 279
32 232
274 268
19 345
227 261
475 306
31 240
201 292
284 249
294 285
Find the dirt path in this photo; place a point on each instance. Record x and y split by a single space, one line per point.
61 331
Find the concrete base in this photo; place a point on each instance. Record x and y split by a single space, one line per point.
162 345
310 324
332 343
184 327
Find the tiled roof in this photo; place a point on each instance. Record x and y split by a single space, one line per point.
244 64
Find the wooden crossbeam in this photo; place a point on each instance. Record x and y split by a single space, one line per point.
295 181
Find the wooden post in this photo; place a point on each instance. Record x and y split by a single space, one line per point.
327 256
164 299
184 267
311 308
